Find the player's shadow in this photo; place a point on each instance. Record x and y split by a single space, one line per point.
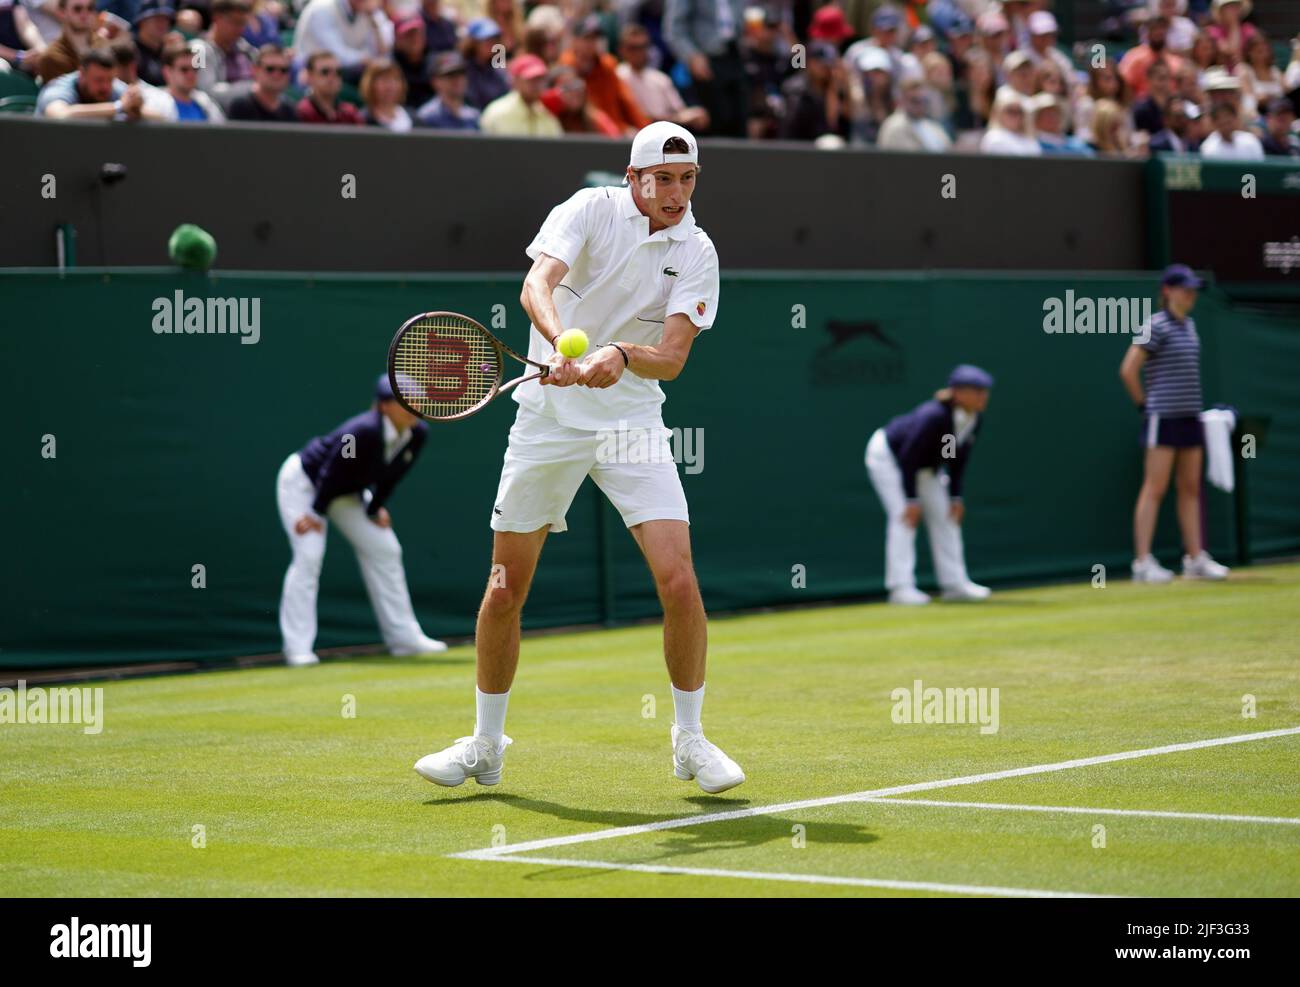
686 839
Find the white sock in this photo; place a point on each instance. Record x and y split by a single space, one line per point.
686 707
491 709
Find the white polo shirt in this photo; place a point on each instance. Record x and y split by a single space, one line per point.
623 283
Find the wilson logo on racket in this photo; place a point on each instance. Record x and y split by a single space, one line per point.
444 366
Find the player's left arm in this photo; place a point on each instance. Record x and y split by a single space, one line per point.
663 361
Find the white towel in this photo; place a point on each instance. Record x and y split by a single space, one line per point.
1219 425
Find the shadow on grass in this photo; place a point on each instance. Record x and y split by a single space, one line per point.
678 845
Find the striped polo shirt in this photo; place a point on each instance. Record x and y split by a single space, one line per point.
1172 373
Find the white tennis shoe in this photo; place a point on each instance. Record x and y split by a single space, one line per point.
1203 567
967 591
908 596
424 646
298 661
1148 570
698 759
479 758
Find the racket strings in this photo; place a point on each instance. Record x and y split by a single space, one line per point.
445 366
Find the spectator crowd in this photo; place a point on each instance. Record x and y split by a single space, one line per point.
1183 76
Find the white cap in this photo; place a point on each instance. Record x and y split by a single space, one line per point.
648 145
1042 101
873 58
1042 22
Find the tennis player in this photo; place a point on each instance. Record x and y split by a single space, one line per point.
917 463
1163 377
629 266
346 477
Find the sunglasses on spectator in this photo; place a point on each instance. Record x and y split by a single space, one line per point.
275 69
327 72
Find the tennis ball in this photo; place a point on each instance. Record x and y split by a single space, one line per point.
572 343
192 247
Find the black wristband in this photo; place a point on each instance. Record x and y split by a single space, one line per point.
621 350
1142 408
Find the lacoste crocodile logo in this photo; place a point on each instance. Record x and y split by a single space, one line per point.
670 272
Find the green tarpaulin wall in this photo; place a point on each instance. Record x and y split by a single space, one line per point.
167 447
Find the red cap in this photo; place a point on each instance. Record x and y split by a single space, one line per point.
527 67
407 24
829 24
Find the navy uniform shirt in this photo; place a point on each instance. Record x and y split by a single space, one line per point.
334 474
916 439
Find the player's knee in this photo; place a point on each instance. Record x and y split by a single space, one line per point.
502 596
1155 487
677 586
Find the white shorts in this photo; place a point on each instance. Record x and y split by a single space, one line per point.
546 463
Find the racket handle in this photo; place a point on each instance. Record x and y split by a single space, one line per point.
522 380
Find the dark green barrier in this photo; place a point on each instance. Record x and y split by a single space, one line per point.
168 447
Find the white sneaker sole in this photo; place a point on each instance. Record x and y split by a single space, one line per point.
487 778
684 775
421 651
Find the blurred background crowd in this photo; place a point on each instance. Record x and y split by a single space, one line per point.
1145 76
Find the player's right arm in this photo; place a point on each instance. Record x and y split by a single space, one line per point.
538 301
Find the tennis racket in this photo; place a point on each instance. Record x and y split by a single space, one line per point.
445 366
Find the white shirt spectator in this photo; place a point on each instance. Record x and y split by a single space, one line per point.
1292 78
901 132
1244 146
653 91
333 26
999 140
400 124
45 15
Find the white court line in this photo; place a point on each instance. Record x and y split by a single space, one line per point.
496 853
1152 813
754 875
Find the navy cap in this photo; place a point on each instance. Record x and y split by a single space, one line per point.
960 26
969 375
1181 276
154 8
383 388
886 18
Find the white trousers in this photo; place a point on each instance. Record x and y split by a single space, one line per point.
378 552
900 539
